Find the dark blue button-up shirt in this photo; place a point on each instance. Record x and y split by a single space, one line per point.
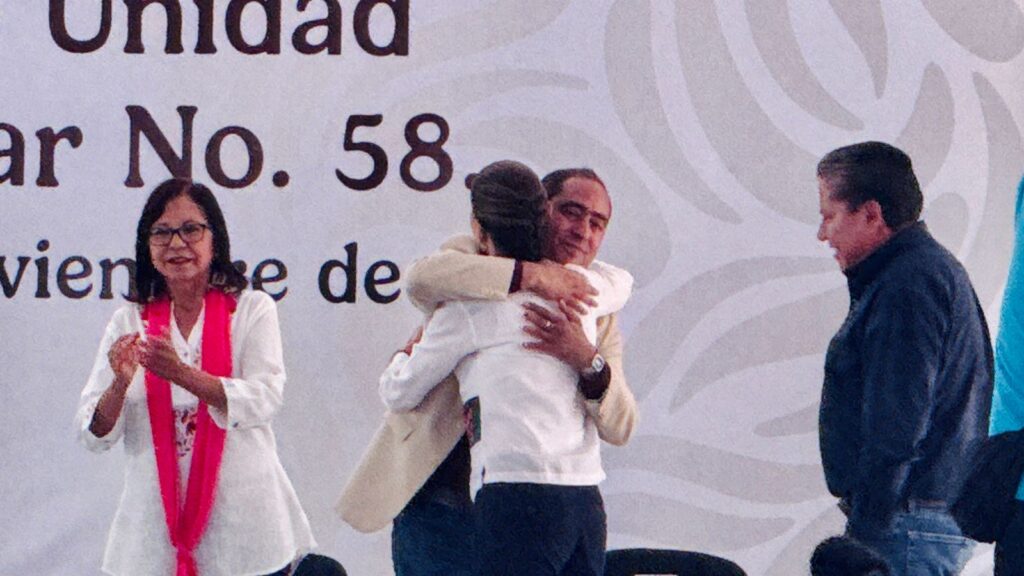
908 381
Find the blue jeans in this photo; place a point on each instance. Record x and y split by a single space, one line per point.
431 538
540 530
923 541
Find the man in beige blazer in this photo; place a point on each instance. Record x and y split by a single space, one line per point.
409 447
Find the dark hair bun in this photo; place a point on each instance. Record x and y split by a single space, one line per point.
509 202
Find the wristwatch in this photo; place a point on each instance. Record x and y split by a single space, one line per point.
596 366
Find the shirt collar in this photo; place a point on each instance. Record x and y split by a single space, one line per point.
864 273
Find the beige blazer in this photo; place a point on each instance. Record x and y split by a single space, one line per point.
409 446
402 455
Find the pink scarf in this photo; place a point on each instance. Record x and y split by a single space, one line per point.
186 526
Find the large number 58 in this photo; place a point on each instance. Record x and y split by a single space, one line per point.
418 148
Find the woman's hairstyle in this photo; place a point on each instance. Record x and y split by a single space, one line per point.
510 204
149 283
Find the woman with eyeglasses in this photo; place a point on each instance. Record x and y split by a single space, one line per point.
190 375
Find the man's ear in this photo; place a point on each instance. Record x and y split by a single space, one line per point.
873 212
876 219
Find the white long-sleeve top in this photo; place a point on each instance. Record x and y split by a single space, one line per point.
256 525
533 423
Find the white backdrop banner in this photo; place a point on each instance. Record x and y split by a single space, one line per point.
337 134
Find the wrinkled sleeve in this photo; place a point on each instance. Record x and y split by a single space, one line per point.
100 378
615 414
447 339
614 286
457 272
902 355
256 390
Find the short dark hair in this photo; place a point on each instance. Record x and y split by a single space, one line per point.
149 283
510 204
844 556
554 181
876 171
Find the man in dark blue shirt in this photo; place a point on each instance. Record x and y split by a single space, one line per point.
908 376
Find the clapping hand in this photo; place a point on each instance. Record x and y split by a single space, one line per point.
124 358
157 355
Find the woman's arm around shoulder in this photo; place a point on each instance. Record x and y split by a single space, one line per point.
614 286
448 337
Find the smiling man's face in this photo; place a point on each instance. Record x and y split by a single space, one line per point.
577 219
852 234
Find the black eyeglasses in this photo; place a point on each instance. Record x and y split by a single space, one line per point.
190 233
